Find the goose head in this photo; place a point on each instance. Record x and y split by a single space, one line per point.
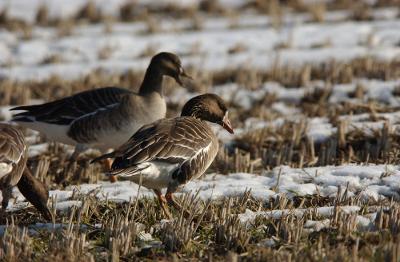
169 64
208 107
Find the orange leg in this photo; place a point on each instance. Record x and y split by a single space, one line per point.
107 164
171 201
163 203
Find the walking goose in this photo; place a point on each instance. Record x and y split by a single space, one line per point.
13 171
170 152
104 118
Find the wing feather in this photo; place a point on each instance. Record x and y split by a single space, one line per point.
66 110
171 140
87 128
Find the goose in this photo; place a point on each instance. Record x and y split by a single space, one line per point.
172 151
104 118
14 172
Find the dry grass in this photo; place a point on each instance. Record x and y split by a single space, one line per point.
317 11
133 231
331 72
134 11
259 149
107 231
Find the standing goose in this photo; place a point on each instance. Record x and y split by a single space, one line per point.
170 152
104 118
13 171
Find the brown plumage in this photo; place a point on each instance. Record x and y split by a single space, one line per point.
13 171
170 152
104 118
12 160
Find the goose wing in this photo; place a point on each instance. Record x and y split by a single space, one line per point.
66 110
180 140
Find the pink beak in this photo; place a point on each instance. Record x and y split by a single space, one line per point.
227 125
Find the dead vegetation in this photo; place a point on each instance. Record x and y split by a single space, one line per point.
134 11
331 72
110 232
266 148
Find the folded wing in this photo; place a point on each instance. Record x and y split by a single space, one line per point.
177 140
66 110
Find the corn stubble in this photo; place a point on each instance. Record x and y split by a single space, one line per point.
108 231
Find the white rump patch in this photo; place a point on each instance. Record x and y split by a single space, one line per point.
155 175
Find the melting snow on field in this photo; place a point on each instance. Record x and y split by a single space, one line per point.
248 41
210 48
367 182
363 222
